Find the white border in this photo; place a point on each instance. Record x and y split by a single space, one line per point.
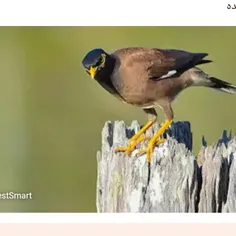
117 218
117 12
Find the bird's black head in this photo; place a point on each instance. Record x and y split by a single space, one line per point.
95 61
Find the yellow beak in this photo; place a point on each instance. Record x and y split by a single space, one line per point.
93 71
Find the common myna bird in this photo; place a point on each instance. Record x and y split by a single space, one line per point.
147 78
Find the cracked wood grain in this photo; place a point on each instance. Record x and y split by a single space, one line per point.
175 180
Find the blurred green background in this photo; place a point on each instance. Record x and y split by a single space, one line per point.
52 112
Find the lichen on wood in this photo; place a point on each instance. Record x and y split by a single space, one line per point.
174 181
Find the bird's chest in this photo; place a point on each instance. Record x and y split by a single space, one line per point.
133 88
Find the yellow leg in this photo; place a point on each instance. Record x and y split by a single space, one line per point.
155 140
136 139
159 141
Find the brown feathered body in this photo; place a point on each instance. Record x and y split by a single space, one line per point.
149 77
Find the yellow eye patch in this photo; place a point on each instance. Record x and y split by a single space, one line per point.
103 60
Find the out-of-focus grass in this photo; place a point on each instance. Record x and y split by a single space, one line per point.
52 113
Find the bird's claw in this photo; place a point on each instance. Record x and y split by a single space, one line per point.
131 145
150 148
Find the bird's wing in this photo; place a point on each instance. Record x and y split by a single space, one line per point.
173 62
161 63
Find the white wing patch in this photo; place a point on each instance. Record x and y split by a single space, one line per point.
169 74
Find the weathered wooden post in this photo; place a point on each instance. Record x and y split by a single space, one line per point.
175 180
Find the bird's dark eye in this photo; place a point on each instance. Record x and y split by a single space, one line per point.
98 63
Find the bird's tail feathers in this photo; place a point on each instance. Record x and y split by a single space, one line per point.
221 85
200 78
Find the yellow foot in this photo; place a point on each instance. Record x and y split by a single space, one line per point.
133 142
150 149
156 139
136 139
